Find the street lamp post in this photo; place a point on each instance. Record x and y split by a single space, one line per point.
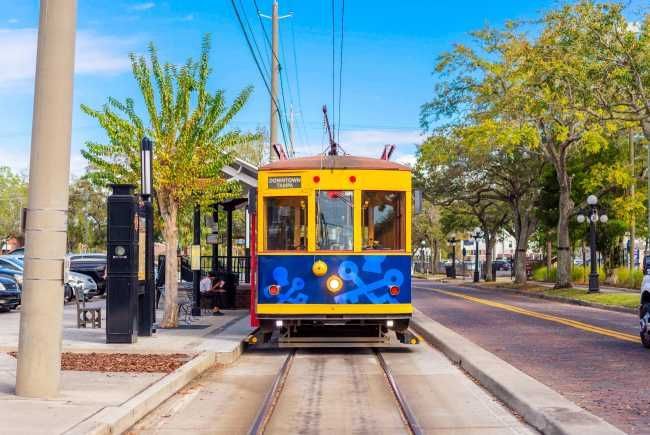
593 217
477 234
423 243
147 310
453 255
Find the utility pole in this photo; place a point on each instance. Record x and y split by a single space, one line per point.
39 347
632 192
275 76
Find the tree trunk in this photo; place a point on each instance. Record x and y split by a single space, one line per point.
549 258
169 213
490 241
565 207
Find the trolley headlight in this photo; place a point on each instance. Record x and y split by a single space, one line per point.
390 323
278 323
274 289
394 290
334 284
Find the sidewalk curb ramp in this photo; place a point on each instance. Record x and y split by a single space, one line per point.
118 419
541 407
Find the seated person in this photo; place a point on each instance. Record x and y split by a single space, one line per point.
212 288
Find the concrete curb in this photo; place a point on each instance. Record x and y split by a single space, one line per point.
540 406
117 419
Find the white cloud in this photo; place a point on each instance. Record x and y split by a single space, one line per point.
95 54
12 20
188 17
370 143
142 6
17 158
634 26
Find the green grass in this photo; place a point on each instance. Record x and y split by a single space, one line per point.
626 300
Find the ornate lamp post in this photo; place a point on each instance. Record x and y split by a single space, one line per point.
593 217
423 245
476 234
453 241
147 313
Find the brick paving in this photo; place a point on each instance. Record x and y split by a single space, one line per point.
604 375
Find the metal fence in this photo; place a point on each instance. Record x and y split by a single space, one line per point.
241 265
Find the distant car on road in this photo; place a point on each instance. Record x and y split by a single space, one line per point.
10 296
84 283
501 264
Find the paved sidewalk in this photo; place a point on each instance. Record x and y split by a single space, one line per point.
85 394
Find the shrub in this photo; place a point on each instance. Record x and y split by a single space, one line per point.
629 278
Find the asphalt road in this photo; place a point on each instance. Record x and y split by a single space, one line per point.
591 356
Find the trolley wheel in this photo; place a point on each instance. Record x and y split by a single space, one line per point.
644 316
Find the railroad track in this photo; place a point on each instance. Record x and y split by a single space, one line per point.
272 397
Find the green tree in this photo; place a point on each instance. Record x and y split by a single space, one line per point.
13 198
188 125
87 216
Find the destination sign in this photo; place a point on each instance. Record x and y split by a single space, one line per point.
284 182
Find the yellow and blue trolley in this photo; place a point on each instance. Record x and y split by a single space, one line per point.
333 251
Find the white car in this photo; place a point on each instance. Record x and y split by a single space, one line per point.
83 283
644 312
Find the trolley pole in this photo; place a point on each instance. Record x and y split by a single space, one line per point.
39 347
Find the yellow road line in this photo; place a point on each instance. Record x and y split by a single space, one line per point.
562 320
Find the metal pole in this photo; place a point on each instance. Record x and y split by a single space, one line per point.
215 246
476 272
632 192
39 347
275 72
196 274
453 258
593 276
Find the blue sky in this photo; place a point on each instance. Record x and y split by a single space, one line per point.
389 52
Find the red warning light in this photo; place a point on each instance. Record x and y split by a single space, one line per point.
353 179
394 290
274 290
316 179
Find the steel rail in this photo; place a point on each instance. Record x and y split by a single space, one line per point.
264 414
411 421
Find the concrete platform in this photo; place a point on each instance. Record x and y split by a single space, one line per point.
94 402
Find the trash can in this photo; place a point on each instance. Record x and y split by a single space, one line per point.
449 271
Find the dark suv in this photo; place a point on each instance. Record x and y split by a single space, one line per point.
93 265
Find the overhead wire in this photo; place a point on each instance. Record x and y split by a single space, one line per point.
304 134
257 64
338 112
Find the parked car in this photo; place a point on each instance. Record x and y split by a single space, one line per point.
12 262
79 281
9 294
92 265
14 274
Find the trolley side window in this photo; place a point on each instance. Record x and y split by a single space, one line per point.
383 223
286 223
334 220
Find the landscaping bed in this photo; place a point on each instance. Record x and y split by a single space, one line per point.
121 362
618 300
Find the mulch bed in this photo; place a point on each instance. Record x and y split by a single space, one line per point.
121 362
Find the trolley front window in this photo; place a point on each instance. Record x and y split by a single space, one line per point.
334 220
286 223
383 223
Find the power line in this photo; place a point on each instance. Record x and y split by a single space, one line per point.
259 68
333 61
338 112
250 30
298 94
